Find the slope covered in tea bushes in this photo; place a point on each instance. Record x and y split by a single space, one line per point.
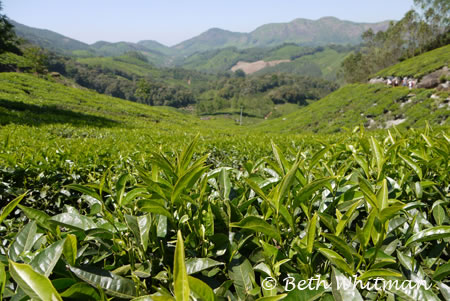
420 65
364 206
108 198
27 99
375 106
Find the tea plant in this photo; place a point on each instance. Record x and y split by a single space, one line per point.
181 225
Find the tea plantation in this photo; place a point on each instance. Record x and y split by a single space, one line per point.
105 199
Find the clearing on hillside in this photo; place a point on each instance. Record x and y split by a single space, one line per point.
250 68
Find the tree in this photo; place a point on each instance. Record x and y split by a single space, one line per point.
143 92
239 73
8 39
417 32
436 13
38 58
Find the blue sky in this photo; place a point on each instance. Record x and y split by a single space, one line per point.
172 21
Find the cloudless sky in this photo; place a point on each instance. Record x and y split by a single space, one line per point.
172 21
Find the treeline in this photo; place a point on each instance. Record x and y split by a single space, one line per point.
252 93
155 94
420 30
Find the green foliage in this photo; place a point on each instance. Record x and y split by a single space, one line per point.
375 106
124 202
38 59
48 39
11 62
124 76
322 62
414 34
258 94
421 65
8 39
254 235
302 32
435 12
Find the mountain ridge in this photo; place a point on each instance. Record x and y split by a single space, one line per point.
326 30
290 32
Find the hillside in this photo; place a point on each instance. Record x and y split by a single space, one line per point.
289 58
124 63
49 40
56 42
253 67
221 60
28 100
324 31
133 66
324 64
156 46
214 38
375 106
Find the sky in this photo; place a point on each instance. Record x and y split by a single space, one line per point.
173 21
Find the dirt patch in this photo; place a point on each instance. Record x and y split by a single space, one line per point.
250 68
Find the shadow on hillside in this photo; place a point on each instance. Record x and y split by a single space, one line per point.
29 114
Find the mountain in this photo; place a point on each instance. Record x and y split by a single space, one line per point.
214 38
114 49
328 30
156 46
155 57
49 39
61 44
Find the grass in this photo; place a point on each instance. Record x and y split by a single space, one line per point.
421 65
